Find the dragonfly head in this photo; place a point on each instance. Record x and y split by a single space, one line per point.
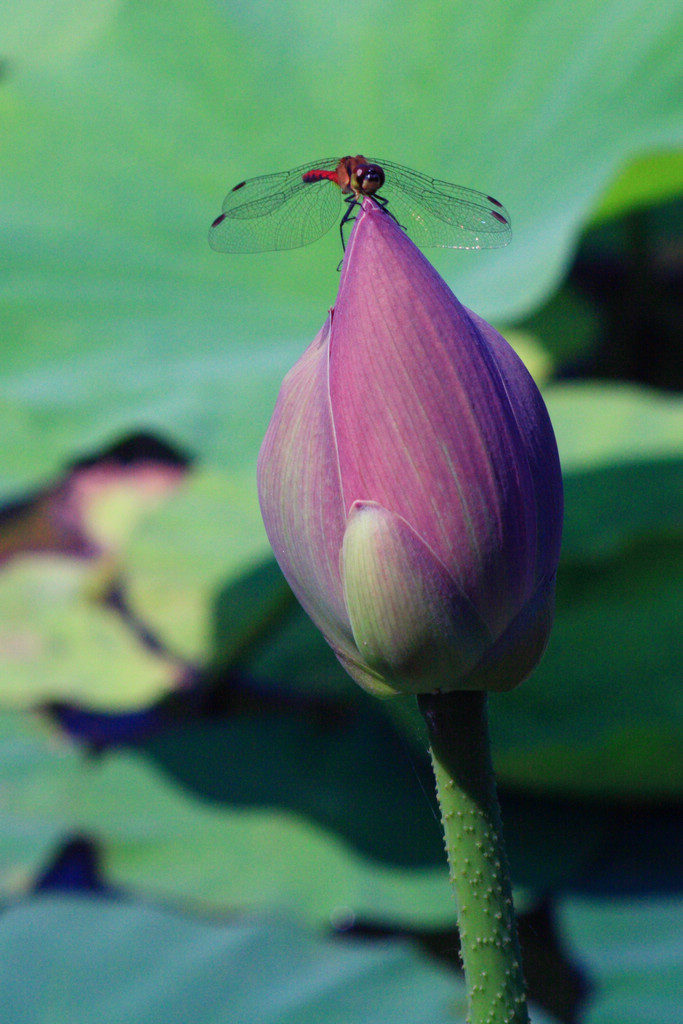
355 174
367 179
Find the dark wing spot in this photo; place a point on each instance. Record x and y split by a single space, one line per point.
243 183
499 216
218 220
494 201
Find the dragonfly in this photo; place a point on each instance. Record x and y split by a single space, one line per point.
294 208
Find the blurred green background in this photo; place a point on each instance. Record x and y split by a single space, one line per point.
202 818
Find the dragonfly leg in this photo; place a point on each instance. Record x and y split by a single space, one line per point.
348 217
351 214
384 204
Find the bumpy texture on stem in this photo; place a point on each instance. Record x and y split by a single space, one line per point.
458 730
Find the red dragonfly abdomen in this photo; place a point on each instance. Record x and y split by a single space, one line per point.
318 175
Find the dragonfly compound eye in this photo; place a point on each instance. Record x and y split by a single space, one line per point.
370 178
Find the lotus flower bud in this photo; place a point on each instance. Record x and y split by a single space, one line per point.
410 484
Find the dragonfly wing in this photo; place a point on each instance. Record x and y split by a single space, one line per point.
437 213
276 211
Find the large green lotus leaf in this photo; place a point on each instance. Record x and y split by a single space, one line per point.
647 179
603 713
61 639
564 331
346 771
76 959
265 812
349 773
124 126
348 809
163 841
621 449
178 560
58 640
632 951
599 424
71 960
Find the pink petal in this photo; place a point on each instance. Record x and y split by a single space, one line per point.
423 419
300 492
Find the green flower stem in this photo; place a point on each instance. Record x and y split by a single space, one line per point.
459 738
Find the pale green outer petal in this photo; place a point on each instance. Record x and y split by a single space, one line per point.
411 623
